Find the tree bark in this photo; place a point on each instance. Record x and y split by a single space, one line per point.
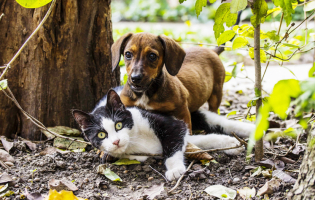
66 65
304 187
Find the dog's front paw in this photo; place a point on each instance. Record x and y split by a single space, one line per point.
233 142
175 173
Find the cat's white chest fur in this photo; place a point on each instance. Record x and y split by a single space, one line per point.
143 102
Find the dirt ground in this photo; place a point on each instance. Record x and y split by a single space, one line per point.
80 168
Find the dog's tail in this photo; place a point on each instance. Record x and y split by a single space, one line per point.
219 50
204 120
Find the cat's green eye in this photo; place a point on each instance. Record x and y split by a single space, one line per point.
101 135
118 125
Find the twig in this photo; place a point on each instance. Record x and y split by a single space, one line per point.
309 17
158 173
239 139
191 194
71 143
34 32
1 16
213 150
34 120
182 176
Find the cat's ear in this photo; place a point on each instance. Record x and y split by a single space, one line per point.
113 101
82 118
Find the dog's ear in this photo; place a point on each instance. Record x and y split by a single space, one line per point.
174 54
118 49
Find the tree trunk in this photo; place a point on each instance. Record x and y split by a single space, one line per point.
304 187
66 65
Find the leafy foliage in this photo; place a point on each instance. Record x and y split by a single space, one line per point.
238 5
3 84
33 3
223 15
287 9
225 36
199 5
259 10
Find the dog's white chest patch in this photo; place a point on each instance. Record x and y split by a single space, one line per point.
143 102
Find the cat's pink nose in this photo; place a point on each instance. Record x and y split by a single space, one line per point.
116 142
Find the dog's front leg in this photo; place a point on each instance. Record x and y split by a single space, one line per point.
184 115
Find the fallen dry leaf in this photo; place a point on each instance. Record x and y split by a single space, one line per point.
270 187
152 192
199 156
6 144
52 150
5 178
33 196
221 192
247 193
5 156
30 145
283 176
62 184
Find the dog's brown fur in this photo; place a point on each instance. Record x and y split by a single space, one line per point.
188 80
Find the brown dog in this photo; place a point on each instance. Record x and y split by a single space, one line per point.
189 79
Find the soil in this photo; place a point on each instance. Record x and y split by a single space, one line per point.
230 171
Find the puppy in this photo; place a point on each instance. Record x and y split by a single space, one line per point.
165 78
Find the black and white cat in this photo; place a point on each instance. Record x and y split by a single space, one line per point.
121 131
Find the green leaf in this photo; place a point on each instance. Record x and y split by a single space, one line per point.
126 161
237 5
272 35
102 169
257 92
312 70
291 45
259 10
309 6
198 6
223 15
228 76
239 42
280 97
226 36
263 57
232 113
212 1
287 9
125 79
3 84
235 70
111 175
33 3
273 10
182 1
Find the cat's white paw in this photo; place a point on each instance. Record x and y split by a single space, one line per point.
232 142
175 173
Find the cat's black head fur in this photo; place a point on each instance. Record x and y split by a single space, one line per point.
91 123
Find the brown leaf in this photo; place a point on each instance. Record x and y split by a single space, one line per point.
270 187
5 177
30 145
287 160
153 191
33 196
6 144
52 150
283 176
5 156
199 156
62 184
267 163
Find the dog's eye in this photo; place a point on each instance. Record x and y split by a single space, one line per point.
128 55
152 56
101 135
118 125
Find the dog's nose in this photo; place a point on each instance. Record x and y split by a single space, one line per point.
116 142
136 78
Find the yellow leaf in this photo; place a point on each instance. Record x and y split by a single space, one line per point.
263 57
228 76
33 3
188 23
239 42
63 195
225 36
228 46
235 28
274 10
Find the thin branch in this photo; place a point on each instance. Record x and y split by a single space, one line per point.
213 150
239 139
158 173
25 43
309 17
1 16
182 176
